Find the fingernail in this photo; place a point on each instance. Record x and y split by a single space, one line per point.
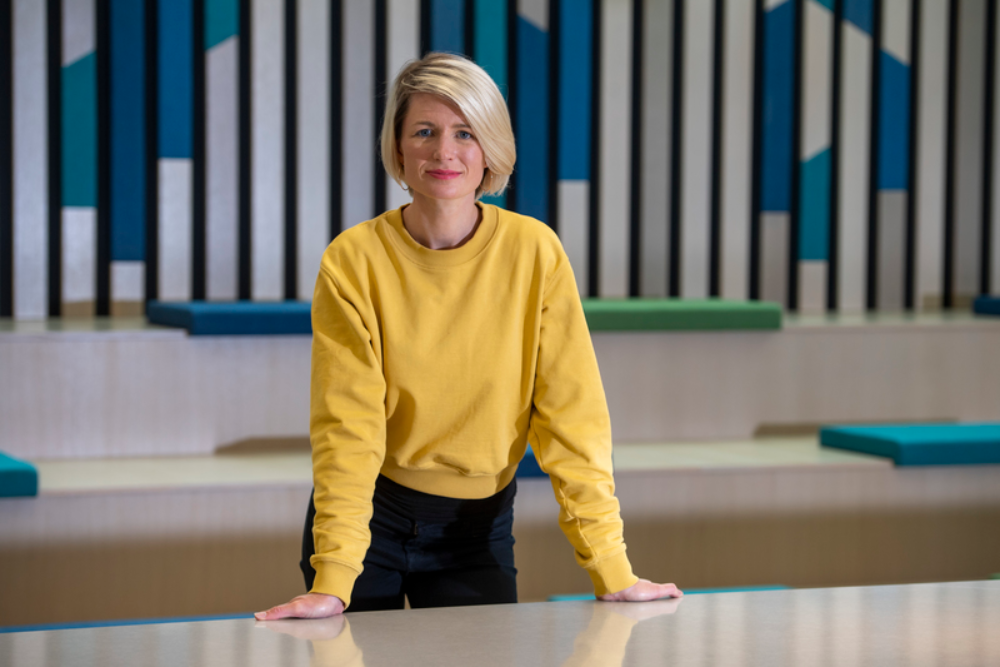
260 615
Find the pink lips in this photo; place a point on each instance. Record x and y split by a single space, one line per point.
444 174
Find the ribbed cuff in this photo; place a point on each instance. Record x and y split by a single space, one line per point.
612 574
334 579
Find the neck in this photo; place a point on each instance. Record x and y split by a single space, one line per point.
440 225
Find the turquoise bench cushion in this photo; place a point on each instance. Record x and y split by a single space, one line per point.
920 444
680 314
986 305
17 478
203 318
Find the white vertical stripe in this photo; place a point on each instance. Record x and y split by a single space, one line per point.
737 148
896 29
697 148
657 59
969 147
574 226
79 30
854 136
267 145
30 158
535 12
891 247
313 137
615 138
812 287
128 281
930 153
221 172
774 256
79 253
402 45
359 141
29 649
816 100
175 200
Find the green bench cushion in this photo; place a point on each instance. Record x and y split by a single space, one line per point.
920 444
680 314
17 478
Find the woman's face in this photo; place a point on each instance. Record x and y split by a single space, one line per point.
441 159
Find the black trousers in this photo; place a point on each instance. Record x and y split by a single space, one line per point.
435 551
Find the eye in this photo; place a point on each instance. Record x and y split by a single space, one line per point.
462 134
423 132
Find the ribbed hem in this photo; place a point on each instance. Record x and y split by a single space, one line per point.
612 574
449 483
334 579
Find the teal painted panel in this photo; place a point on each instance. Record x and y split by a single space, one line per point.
79 132
222 21
814 208
490 28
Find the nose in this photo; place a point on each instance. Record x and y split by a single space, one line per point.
444 147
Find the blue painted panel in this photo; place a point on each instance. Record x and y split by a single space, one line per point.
491 53
448 25
814 208
531 192
128 131
779 51
859 12
79 132
894 125
825 3
176 111
576 33
222 21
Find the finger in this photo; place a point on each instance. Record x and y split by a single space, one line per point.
272 614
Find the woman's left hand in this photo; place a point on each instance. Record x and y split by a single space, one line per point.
643 590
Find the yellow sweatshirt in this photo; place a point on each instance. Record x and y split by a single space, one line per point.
436 367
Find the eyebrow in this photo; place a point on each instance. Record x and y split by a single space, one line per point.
430 124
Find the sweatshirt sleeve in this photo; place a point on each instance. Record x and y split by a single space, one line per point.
571 435
347 431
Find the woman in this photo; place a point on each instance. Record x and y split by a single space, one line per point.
446 335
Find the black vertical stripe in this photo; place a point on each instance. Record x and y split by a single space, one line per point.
291 152
6 163
715 212
554 40
871 296
833 239
949 170
470 27
103 277
425 26
512 91
54 112
152 150
753 282
635 203
199 239
794 212
336 117
594 230
989 154
245 153
910 261
381 90
676 151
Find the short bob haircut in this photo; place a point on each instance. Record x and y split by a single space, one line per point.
467 86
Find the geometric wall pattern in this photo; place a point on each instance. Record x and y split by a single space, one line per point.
832 155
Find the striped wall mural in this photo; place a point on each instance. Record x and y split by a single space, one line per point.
832 155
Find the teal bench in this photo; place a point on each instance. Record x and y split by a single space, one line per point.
17 478
204 318
920 444
986 305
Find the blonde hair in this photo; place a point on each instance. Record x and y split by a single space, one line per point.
467 86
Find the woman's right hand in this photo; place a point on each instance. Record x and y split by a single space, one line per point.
310 605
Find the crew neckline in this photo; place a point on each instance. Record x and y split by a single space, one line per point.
446 257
